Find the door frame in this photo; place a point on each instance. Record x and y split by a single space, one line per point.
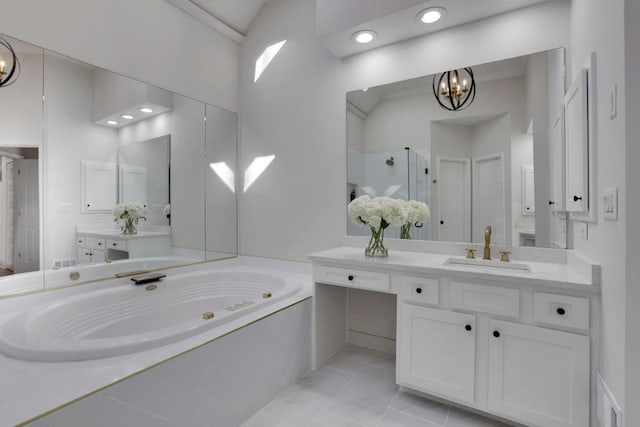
466 162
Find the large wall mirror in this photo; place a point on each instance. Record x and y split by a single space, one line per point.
495 163
76 141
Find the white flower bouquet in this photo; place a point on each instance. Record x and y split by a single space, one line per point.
417 214
378 213
131 213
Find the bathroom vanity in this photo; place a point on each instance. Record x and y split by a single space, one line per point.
102 245
516 340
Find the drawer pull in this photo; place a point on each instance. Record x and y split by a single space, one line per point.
419 290
114 244
561 311
468 328
350 278
496 334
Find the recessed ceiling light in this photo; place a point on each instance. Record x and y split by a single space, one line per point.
364 36
127 116
146 110
431 15
112 122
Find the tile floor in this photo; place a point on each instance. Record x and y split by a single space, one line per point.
356 388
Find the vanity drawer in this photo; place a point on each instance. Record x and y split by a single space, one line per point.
93 243
561 310
485 299
120 245
352 278
423 290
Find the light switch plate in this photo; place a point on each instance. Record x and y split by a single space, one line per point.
610 203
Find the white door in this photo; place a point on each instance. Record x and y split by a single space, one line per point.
539 376
27 218
453 221
489 198
556 140
9 211
528 191
437 352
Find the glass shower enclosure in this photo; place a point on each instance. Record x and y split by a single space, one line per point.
400 174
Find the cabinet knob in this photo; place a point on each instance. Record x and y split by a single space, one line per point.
419 290
551 202
468 327
528 208
561 311
441 222
350 278
576 198
115 244
496 334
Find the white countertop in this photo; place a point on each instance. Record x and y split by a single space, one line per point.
117 234
30 389
573 274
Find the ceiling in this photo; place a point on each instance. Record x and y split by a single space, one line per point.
402 24
394 22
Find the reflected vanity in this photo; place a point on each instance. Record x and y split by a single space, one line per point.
473 167
96 138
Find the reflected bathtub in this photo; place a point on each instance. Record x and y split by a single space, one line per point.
33 281
128 318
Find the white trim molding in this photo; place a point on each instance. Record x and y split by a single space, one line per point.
209 20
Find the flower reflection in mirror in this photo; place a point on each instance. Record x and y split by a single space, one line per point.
9 64
455 90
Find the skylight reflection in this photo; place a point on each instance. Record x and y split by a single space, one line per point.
225 174
267 56
255 169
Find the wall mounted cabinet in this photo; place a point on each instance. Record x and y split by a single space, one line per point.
579 124
99 186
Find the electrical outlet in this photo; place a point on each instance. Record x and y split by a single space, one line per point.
610 203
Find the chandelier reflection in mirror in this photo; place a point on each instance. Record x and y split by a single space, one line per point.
455 90
9 64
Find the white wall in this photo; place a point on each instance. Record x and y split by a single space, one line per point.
632 87
521 155
149 40
594 28
296 111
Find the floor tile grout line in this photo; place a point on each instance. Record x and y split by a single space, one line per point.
416 417
338 393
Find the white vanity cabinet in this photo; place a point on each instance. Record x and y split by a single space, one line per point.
538 375
464 351
517 345
100 246
437 351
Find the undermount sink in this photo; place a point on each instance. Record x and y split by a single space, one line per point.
489 263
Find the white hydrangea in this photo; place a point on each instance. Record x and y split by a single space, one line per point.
377 212
128 209
417 212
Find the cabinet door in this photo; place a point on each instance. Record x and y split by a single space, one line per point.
539 376
99 186
437 351
577 145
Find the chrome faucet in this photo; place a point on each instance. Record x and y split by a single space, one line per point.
487 242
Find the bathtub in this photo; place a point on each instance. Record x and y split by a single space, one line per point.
127 318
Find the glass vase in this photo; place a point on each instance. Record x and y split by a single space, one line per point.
129 226
405 231
376 244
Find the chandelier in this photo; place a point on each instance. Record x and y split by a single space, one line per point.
455 90
8 74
